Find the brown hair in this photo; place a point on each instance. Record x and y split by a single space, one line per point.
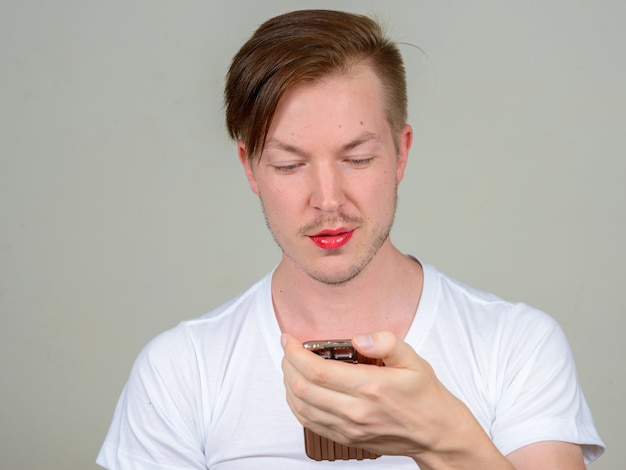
303 46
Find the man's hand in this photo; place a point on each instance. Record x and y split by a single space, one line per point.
399 409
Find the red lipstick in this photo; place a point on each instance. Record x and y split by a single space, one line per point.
332 239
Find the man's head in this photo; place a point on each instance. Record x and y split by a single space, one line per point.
304 46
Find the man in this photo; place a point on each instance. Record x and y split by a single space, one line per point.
317 103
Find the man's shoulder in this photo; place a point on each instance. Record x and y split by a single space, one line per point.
244 311
459 298
257 297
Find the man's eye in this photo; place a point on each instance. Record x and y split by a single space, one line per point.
360 162
286 168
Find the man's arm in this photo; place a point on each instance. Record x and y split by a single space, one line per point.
552 455
401 409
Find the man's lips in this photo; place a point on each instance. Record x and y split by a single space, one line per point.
332 239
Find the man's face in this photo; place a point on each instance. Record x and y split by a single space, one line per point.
328 175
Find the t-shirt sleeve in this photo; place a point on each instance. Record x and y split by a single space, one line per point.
539 395
156 421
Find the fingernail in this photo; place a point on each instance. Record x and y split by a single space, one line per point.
283 340
364 341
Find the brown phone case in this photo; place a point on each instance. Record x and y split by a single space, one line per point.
321 448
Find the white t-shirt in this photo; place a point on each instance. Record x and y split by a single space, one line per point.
209 393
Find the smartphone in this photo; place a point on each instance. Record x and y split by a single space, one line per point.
321 448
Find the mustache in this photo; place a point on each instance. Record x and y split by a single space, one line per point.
326 221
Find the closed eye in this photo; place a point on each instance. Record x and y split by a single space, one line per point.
360 162
285 169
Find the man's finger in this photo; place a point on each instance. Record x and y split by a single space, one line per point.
386 346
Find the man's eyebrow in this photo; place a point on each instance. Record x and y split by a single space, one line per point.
280 145
361 139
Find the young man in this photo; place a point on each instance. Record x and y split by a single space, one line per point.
317 103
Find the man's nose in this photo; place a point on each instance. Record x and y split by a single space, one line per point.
327 187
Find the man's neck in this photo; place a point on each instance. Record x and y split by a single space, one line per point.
384 296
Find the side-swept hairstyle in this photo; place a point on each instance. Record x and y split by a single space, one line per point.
303 46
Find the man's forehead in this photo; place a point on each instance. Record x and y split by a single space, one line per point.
349 144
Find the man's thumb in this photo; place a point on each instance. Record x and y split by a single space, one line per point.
386 346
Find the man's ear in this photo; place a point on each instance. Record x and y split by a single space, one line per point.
247 166
404 145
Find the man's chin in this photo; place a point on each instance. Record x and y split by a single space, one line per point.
335 277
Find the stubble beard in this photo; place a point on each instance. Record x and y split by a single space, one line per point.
351 272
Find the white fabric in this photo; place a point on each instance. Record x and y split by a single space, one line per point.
208 394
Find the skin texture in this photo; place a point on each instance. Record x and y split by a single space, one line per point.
330 166
307 185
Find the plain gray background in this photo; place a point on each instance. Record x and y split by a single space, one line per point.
124 209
